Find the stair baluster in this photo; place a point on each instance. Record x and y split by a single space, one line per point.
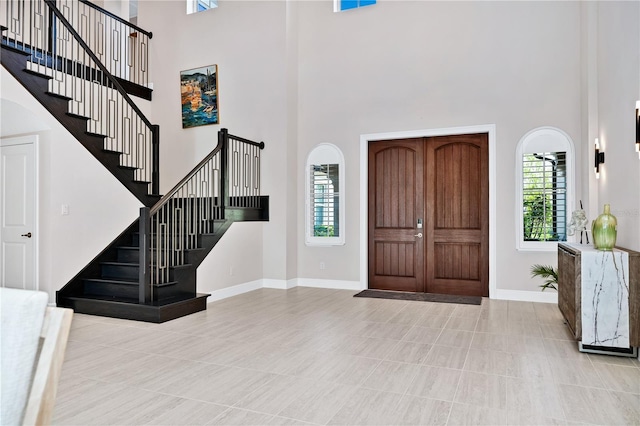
227 177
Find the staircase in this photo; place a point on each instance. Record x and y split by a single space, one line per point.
148 272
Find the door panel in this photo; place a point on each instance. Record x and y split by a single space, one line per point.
396 199
457 215
17 213
446 263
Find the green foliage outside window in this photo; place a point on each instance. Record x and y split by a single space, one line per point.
544 196
324 231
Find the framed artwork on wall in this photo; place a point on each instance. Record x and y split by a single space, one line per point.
199 95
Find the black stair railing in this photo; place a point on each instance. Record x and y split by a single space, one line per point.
228 177
120 45
68 47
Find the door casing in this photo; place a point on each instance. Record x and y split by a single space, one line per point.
490 129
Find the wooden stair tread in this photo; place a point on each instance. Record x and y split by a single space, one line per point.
125 282
38 74
78 116
57 95
115 263
112 281
96 135
134 301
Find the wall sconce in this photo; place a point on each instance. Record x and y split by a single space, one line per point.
638 128
599 159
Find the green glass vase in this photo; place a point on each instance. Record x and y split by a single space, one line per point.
605 230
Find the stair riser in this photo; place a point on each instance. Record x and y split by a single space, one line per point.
120 272
127 291
128 256
110 289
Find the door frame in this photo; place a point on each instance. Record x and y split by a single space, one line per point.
490 129
32 139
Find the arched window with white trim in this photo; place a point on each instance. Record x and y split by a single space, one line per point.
545 188
324 189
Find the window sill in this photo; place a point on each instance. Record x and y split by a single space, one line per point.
538 247
332 243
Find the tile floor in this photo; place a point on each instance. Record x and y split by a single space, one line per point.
317 356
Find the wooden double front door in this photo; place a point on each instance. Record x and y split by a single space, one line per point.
429 215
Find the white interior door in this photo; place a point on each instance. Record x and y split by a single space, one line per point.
18 212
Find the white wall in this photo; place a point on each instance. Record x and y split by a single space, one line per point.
99 206
401 66
618 86
296 75
232 261
247 42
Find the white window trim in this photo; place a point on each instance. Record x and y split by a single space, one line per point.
324 153
543 139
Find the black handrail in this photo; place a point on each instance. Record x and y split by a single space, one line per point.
94 58
117 18
219 146
166 197
247 141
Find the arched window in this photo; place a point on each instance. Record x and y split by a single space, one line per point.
545 188
324 187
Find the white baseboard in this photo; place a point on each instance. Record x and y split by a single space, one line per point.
333 284
282 285
312 282
519 295
279 284
235 290
527 296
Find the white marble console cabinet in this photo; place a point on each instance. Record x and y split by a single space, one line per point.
599 296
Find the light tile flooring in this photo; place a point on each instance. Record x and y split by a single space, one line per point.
317 356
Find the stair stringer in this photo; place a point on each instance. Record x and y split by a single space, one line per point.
15 62
72 295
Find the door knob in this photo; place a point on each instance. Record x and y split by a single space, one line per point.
419 235
28 235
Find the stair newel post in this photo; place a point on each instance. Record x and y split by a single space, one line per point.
155 161
144 277
223 141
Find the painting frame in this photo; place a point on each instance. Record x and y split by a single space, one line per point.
199 96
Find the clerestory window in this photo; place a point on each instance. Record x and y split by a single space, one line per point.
342 5
195 6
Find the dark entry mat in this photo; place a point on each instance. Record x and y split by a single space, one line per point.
420 297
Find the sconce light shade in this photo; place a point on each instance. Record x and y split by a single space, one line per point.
638 127
599 158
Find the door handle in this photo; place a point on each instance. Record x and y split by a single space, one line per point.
419 235
28 235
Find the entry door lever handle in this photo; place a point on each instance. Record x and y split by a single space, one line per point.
28 235
419 235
